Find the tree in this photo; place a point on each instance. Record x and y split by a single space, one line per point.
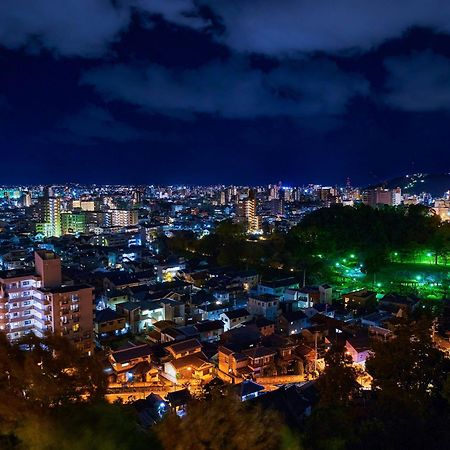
93 426
223 423
409 366
409 376
338 385
52 398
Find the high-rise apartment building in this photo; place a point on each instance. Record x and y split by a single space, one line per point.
37 302
123 217
51 215
380 196
276 207
247 213
73 222
26 199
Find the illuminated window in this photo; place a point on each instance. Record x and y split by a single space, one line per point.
76 327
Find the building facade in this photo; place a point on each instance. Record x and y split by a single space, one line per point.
37 302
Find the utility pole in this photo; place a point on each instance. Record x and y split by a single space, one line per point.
315 351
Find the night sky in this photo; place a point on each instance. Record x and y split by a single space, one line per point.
223 91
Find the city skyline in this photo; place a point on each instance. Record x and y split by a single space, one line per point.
209 92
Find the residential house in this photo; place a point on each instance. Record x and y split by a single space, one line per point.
361 297
210 330
261 361
265 305
292 322
359 349
108 324
234 318
133 363
178 401
189 362
247 390
277 287
233 365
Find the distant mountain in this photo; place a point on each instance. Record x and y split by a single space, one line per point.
435 184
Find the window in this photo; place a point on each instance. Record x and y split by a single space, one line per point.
76 327
27 312
25 283
27 322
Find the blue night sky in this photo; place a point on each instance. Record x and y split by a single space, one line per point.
223 91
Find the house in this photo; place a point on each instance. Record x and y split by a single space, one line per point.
141 315
292 322
234 318
108 324
293 403
308 296
248 279
210 330
399 304
359 349
261 361
178 401
189 362
247 390
375 319
233 365
265 305
173 310
264 326
168 272
195 366
184 348
173 334
277 287
325 309
133 364
150 410
117 280
361 297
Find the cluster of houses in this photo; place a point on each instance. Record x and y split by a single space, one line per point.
207 325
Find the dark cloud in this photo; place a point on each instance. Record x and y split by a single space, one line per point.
88 27
287 26
232 89
68 27
418 82
94 124
84 28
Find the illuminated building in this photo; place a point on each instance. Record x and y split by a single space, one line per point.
223 198
37 302
276 207
138 197
123 217
73 223
10 194
380 196
85 205
247 213
442 209
51 211
26 199
168 272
